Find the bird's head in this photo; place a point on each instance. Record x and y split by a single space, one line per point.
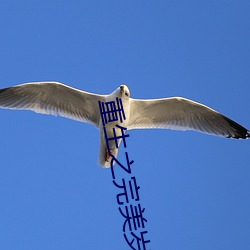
121 92
124 91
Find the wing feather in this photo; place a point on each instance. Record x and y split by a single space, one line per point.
53 98
182 114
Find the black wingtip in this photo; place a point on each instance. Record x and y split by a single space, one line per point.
239 131
3 90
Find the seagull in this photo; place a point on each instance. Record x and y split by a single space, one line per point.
175 113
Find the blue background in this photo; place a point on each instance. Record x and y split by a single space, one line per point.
195 187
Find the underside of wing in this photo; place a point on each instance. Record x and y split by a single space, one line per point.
182 114
53 98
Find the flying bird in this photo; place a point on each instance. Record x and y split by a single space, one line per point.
175 113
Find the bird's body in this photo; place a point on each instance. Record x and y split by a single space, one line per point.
104 158
167 113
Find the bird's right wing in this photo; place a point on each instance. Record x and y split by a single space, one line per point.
182 114
53 98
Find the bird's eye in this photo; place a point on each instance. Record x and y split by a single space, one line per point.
126 93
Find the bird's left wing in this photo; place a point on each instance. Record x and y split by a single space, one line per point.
53 98
182 114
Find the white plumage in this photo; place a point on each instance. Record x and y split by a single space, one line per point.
168 113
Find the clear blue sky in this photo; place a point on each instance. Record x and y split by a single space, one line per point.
195 187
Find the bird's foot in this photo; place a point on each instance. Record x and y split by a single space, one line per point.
107 156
